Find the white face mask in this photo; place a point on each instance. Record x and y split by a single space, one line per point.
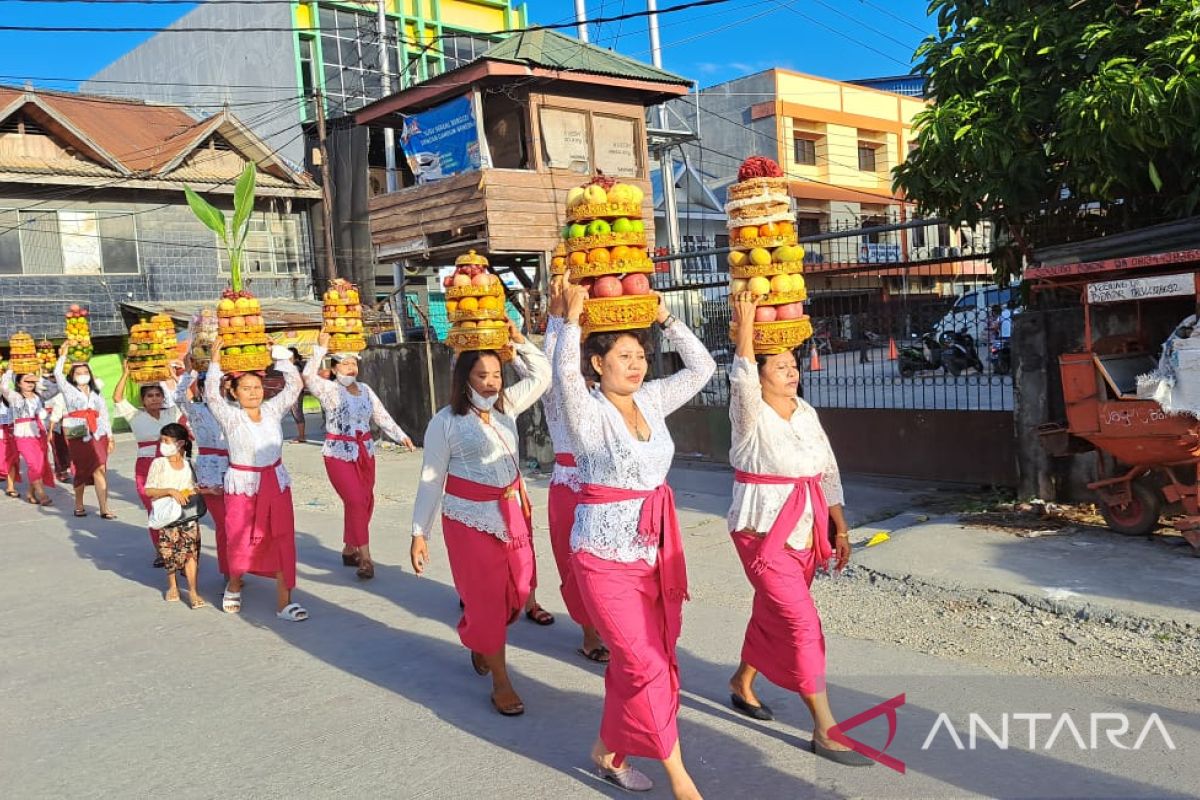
168 449
347 380
83 379
481 402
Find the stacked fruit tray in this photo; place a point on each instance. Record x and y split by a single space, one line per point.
244 345
558 262
606 254
765 258
204 329
23 357
79 335
475 306
147 356
47 355
343 318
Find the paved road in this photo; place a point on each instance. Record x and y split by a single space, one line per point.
107 691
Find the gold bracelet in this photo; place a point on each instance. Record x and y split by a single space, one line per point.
845 535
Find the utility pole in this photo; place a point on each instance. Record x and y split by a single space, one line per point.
385 63
581 19
666 168
330 271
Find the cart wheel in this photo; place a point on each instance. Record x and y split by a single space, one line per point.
1139 516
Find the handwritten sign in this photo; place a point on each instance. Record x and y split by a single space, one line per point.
1141 288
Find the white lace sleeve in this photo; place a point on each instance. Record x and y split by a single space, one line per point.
698 366
71 395
222 412
382 419
435 465
526 392
181 390
6 388
831 477
582 423
745 397
549 343
325 391
281 403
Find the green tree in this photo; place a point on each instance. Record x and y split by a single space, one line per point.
233 235
1034 103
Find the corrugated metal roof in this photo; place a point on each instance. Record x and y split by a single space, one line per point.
278 313
552 50
41 166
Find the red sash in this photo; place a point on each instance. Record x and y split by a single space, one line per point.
364 455
515 507
565 460
213 451
260 507
155 444
91 415
40 425
789 516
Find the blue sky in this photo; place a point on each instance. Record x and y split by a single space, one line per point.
833 38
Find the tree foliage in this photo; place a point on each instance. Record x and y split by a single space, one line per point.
233 237
1038 102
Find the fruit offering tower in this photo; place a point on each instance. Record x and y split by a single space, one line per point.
147 356
47 355
244 345
475 306
203 329
343 318
558 262
23 358
79 335
765 259
606 254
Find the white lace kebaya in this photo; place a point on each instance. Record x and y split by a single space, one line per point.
559 437
609 455
346 414
210 467
766 443
75 400
250 443
463 446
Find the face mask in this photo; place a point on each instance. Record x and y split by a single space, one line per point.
481 402
82 379
168 450
347 380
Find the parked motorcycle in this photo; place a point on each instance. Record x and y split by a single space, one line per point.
1000 356
924 355
959 352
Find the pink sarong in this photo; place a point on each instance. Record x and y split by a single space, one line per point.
492 579
216 511
141 470
560 518
35 451
260 529
789 516
10 463
354 482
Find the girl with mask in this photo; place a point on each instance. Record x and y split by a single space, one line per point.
146 424
350 407
212 457
30 435
171 475
472 473
87 429
260 527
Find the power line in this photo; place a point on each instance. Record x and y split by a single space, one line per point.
898 18
838 32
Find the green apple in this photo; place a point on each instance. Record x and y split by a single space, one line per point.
638 226
598 227
577 231
622 225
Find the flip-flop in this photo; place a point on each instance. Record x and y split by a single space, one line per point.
108 516
598 654
540 615
479 665
366 569
514 710
12 494
349 559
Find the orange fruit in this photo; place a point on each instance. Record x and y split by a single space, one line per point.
578 258
489 303
749 232
770 229
785 228
468 304
559 262
598 256
621 253
451 306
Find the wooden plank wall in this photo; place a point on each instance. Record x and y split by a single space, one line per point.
400 216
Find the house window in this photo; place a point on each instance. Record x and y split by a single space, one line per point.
808 226
10 242
866 157
463 49
918 236
68 242
352 59
308 76
804 151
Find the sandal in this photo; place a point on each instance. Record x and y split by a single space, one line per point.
514 710
598 654
231 602
79 512
198 602
629 778
12 494
366 569
540 615
349 559
292 612
108 515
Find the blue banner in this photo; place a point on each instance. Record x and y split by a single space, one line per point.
442 141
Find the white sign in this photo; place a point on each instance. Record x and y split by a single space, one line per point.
80 236
1141 288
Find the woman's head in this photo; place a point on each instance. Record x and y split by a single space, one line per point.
174 438
152 396
345 367
779 375
81 376
477 380
296 359
27 383
247 389
617 361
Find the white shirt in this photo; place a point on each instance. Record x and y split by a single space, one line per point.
609 455
146 429
250 443
766 443
76 399
164 476
19 406
347 414
463 446
559 438
210 468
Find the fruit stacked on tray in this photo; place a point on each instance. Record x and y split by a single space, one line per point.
606 253
244 345
79 335
343 317
23 357
475 306
204 329
558 262
765 258
148 355
47 355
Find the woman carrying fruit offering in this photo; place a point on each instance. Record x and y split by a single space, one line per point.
212 457
30 435
260 528
786 489
146 424
349 450
626 544
471 471
88 431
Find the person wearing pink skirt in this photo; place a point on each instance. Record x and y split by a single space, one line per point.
472 473
30 437
626 543
349 450
212 455
10 459
786 489
260 527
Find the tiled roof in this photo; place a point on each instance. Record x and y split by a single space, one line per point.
552 50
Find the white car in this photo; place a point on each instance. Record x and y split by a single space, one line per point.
973 309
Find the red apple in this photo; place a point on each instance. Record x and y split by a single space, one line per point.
447 281
480 279
635 283
789 311
765 314
608 286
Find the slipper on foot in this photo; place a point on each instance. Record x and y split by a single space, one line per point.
292 612
630 778
598 654
760 712
231 602
847 758
540 615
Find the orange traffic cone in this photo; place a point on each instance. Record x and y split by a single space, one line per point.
892 354
814 360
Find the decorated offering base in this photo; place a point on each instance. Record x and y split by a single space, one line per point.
605 244
47 355
148 355
79 335
204 329
23 357
343 318
765 259
475 306
558 262
243 333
